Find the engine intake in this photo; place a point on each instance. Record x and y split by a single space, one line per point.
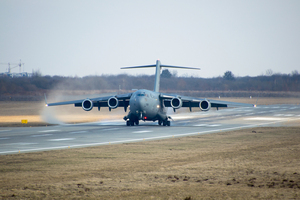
176 103
204 105
87 105
113 102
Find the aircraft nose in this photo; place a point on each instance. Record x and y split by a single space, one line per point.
140 102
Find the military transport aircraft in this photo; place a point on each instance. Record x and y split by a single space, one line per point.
149 105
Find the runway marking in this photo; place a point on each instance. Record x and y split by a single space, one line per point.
264 118
142 139
238 115
201 125
44 135
262 112
142 131
5 138
74 132
278 115
289 115
48 131
214 125
21 143
207 125
61 139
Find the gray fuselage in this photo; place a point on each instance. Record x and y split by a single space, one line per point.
147 106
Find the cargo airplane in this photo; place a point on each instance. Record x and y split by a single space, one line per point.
146 105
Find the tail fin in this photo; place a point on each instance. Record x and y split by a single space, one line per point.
157 72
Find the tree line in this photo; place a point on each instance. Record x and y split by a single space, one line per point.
38 84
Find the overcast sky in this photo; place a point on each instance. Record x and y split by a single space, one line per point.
80 38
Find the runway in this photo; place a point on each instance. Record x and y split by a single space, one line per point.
22 140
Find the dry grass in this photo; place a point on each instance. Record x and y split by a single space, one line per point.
258 163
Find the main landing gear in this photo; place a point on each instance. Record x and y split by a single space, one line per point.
131 122
164 122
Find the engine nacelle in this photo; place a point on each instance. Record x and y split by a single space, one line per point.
176 103
204 105
87 105
113 102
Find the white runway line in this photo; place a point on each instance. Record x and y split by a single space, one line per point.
201 125
264 118
61 139
74 132
214 125
48 131
278 115
207 125
289 115
142 131
44 135
21 143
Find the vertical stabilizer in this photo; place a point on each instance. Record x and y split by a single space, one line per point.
158 67
157 76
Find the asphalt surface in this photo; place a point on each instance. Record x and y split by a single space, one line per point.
22 140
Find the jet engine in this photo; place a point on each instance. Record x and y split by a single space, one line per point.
87 105
176 103
113 102
204 105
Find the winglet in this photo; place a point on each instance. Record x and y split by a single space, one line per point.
46 104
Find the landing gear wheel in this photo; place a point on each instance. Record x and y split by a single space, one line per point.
168 123
137 122
159 122
131 123
164 123
128 123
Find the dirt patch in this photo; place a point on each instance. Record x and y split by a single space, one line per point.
256 163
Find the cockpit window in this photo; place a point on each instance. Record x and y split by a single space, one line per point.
140 95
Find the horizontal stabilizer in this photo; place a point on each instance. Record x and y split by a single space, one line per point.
158 67
145 66
167 66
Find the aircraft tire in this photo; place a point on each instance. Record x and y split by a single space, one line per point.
128 123
168 123
164 123
131 123
137 122
159 122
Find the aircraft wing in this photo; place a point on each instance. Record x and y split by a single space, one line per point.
177 101
113 101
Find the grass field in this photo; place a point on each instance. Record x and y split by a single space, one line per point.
257 163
